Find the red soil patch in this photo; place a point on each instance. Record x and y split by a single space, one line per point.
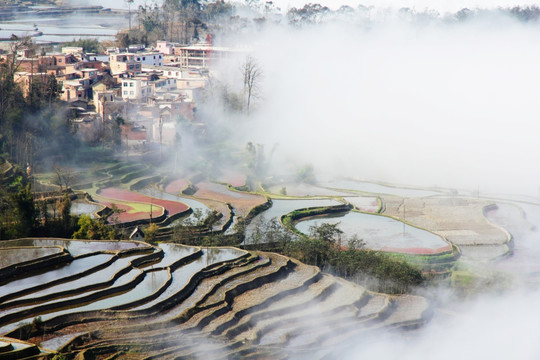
417 251
241 202
176 186
233 178
173 207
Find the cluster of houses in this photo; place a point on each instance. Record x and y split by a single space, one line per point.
151 89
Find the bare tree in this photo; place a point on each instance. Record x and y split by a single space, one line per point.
64 176
253 74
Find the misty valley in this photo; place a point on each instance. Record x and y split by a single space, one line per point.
230 180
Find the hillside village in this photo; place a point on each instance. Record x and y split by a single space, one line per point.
147 89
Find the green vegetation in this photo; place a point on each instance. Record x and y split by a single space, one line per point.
88 45
94 229
24 214
323 247
33 124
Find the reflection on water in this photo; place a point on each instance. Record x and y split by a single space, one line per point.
174 253
76 247
94 278
282 207
11 256
379 232
182 275
79 207
154 280
75 267
125 279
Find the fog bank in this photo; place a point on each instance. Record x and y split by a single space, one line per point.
405 100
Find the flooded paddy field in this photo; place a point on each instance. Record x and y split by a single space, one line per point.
382 233
12 256
79 207
77 247
375 188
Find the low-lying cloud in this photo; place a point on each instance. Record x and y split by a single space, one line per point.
398 98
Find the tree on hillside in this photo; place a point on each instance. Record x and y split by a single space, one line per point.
64 176
24 210
309 14
252 75
93 229
323 248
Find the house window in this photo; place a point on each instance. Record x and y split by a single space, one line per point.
125 92
125 83
144 58
131 84
131 93
59 60
131 67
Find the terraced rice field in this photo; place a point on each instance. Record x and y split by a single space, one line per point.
306 190
241 202
136 301
232 178
383 233
375 188
459 220
79 207
282 207
172 207
176 186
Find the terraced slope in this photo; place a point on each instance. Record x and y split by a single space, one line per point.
175 302
459 220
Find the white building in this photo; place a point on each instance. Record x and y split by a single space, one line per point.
136 89
143 86
149 58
